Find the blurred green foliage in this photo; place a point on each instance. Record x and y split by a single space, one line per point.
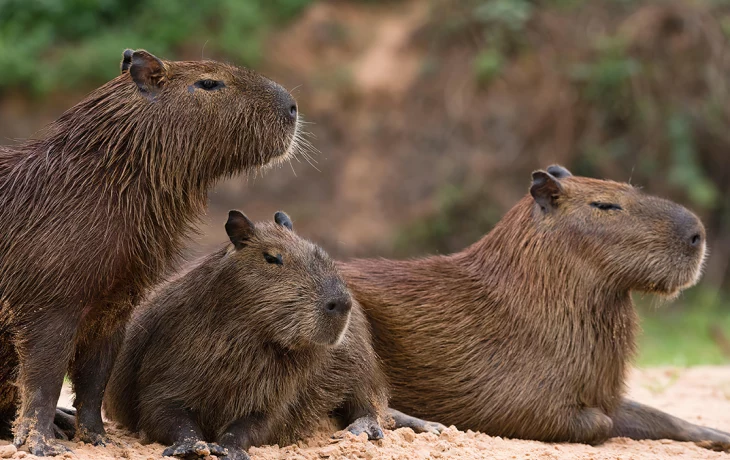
49 44
690 331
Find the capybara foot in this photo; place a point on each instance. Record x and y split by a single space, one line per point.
95 439
195 449
64 424
367 424
717 446
717 440
400 420
236 454
41 446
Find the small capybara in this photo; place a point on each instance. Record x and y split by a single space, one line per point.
529 332
254 345
94 210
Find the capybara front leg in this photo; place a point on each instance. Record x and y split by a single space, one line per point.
637 421
590 426
361 417
245 432
44 351
178 427
398 419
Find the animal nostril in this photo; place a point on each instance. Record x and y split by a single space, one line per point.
339 306
695 240
293 111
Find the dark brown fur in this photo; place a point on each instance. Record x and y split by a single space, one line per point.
529 332
96 209
245 351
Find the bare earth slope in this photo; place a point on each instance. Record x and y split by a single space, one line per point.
700 395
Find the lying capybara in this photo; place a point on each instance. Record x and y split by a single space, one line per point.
529 332
94 210
252 346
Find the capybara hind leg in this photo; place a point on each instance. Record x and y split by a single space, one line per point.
64 424
637 421
590 426
44 349
398 419
97 346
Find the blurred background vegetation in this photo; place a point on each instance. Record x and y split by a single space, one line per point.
431 114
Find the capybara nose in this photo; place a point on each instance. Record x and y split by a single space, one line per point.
287 105
690 229
338 306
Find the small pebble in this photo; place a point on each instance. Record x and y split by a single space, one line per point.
7 451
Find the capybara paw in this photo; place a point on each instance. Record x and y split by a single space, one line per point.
366 424
718 446
397 419
201 449
428 427
41 446
236 454
95 439
64 424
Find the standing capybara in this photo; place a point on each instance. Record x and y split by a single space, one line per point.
252 346
529 332
95 210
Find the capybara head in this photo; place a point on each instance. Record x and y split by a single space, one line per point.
638 241
205 118
301 299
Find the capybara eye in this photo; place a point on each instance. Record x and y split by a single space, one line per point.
606 206
278 260
209 85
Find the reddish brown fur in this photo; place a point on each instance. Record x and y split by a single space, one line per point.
241 351
95 210
529 332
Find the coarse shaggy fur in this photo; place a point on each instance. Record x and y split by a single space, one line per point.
94 211
529 332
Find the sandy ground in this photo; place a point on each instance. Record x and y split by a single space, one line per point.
700 395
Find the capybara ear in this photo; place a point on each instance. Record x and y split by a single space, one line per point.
558 171
545 190
126 60
147 71
282 219
239 228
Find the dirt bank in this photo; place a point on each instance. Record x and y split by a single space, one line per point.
700 395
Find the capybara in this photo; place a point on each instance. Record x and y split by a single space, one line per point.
529 332
94 210
254 345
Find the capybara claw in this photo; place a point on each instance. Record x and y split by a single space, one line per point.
236 454
194 449
42 447
367 424
717 446
432 427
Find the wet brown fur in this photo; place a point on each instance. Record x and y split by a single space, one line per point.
94 210
239 340
529 332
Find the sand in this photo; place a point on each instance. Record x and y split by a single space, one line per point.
700 395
